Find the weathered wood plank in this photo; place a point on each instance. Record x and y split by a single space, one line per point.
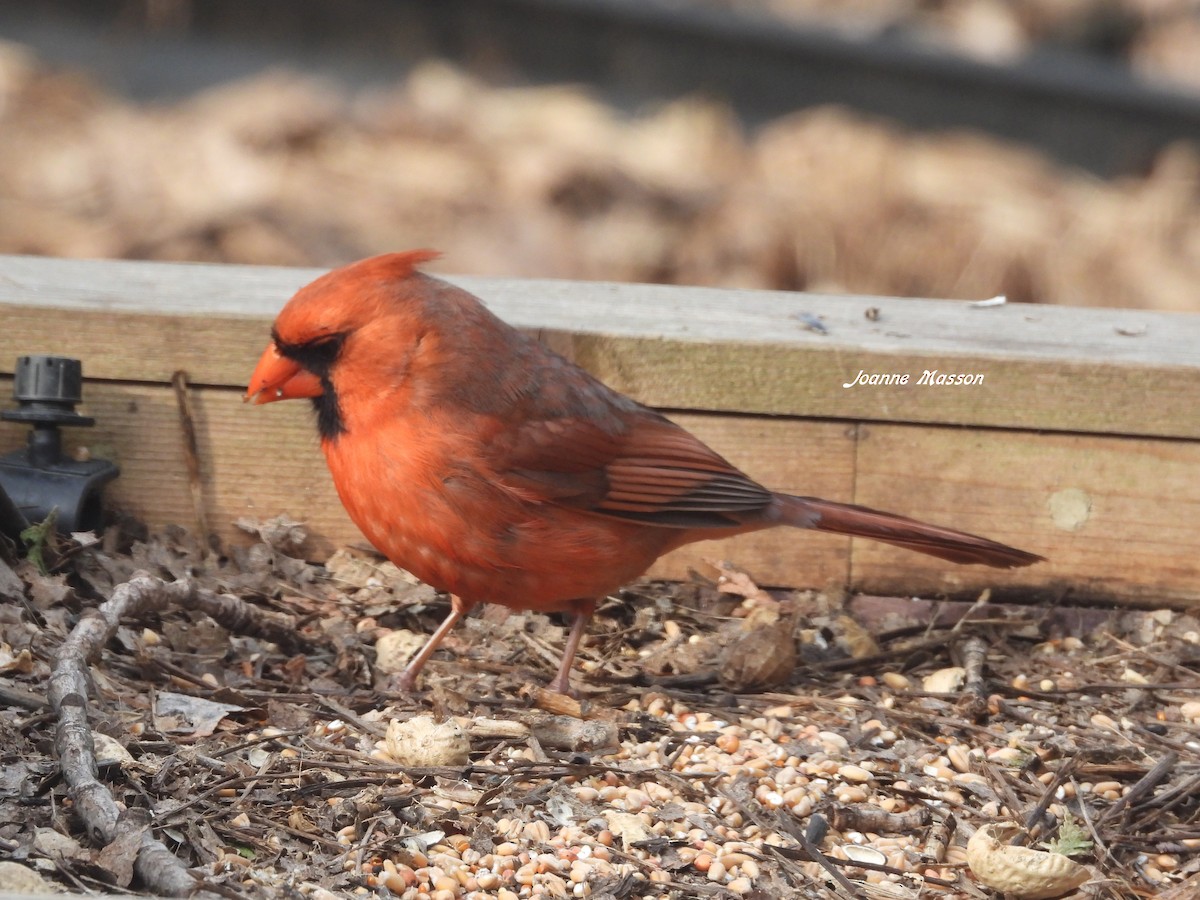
1045 368
1117 515
1118 518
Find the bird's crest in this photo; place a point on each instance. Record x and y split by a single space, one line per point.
392 265
341 300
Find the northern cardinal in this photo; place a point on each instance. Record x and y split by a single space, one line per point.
492 468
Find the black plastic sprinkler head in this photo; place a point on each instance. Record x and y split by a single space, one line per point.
38 479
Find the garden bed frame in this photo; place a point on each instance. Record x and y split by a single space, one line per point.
1082 442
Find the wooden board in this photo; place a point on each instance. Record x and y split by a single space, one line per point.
1118 518
1083 444
1045 368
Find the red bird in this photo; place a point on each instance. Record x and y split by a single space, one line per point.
492 468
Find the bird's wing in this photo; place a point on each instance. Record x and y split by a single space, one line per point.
641 467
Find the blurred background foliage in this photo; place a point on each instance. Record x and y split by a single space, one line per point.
314 133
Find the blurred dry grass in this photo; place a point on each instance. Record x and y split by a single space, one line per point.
1159 39
549 182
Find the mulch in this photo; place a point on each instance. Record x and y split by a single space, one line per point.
246 736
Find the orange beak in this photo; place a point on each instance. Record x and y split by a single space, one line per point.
278 378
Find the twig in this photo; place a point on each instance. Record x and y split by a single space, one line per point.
575 735
981 601
1145 785
739 795
1164 802
1101 845
361 848
158 868
974 656
374 729
1065 771
939 838
1182 891
11 695
1002 786
191 453
973 652
241 617
862 817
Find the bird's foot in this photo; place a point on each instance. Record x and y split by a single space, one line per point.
562 685
406 682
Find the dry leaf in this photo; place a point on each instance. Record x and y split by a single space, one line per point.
118 856
20 663
628 827
357 571
193 715
762 657
110 751
280 533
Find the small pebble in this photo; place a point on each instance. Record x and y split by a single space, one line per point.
834 741
635 801
488 881
896 681
728 743
854 773
959 756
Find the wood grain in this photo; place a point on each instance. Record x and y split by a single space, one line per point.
1117 518
1083 443
1045 368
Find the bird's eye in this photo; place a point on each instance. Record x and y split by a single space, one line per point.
317 356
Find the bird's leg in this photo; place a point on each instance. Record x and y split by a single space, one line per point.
583 615
458 609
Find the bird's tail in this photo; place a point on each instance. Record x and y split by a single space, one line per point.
861 521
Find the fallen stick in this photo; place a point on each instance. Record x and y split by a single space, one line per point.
158 869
